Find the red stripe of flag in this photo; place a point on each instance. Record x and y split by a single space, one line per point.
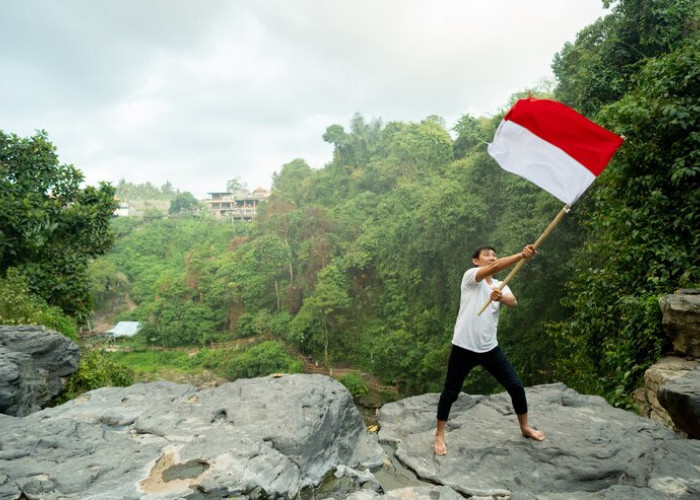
588 143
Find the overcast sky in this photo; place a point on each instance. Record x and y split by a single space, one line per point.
198 92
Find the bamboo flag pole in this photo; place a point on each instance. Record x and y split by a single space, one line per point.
537 243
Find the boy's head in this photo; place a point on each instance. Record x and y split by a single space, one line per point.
483 255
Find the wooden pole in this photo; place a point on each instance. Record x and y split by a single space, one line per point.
537 243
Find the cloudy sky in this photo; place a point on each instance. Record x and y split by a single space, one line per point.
197 92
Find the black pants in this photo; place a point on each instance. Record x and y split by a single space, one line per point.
495 362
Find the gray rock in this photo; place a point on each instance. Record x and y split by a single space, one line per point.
592 450
34 364
681 399
681 320
613 493
667 369
265 437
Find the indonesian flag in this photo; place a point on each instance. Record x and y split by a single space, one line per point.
553 146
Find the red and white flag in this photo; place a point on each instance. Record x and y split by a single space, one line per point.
553 146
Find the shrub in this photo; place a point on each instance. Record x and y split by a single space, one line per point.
355 384
18 306
262 359
96 370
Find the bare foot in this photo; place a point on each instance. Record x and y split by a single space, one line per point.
440 448
531 432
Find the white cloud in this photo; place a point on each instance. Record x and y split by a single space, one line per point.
200 92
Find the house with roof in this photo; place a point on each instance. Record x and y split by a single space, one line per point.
238 206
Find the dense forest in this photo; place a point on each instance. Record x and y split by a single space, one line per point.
359 263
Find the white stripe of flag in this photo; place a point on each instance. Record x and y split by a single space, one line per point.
553 146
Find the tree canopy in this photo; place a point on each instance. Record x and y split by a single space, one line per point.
145 191
637 72
51 226
184 204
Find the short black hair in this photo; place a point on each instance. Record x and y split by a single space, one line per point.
481 248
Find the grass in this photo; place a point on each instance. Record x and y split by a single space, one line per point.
195 366
153 361
174 366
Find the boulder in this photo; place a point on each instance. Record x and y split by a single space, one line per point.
666 370
591 450
681 320
257 438
34 364
681 398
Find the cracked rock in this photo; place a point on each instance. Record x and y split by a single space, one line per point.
159 440
591 450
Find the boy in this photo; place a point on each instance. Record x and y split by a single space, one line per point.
474 341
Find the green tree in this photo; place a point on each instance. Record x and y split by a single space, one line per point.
96 370
146 191
293 182
105 281
184 204
167 190
271 256
18 306
408 152
262 359
235 185
50 226
641 220
469 134
323 309
355 384
335 134
600 66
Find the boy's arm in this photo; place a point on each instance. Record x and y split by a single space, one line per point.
504 263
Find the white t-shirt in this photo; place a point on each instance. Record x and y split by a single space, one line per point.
472 332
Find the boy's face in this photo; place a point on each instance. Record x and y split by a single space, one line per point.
486 257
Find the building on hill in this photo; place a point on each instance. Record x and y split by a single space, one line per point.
238 206
122 210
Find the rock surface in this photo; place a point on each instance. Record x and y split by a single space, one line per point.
34 363
265 437
275 437
681 398
681 320
592 450
666 370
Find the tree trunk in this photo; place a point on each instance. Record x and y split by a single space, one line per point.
291 269
277 293
325 348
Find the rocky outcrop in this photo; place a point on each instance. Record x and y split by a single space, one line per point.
672 387
258 438
592 450
681 398
301 436
666 370
681 320
34 364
